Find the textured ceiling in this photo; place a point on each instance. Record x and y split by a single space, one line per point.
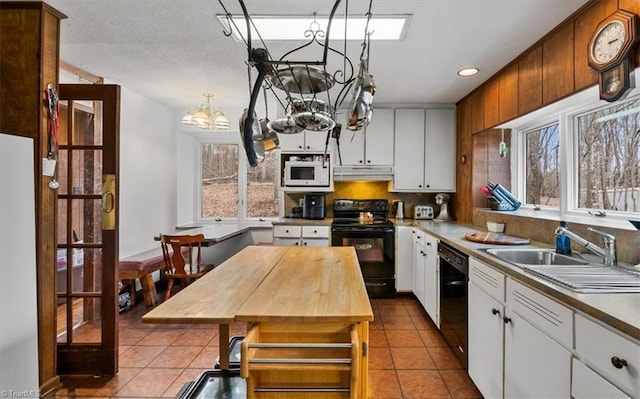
173 51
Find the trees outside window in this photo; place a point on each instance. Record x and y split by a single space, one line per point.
543 166
231 190
609 158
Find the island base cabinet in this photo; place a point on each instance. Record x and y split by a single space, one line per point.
535 365
305 360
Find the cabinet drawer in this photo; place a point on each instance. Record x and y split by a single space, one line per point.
315 231
287 231
487 278
587 384
546 314
420 237
286 242
598 345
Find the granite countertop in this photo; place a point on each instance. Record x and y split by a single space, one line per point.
620 311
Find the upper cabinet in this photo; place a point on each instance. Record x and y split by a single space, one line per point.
424 150
306 141
371 146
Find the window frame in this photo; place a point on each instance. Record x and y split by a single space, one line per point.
565 112
233 139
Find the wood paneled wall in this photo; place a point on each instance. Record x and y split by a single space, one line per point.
553 68
29 44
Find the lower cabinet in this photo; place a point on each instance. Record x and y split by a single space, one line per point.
612 355
404 258
535 366
587 384
513 352
301 235
426 282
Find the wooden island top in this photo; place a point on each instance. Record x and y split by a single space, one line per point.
265 283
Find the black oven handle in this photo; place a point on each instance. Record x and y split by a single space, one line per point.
365 230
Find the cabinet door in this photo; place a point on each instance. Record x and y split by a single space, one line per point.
485 335
432 286
315 141
408 152
404 258
535 365
439 150
587 384
379 138
351 148
291 142
419 273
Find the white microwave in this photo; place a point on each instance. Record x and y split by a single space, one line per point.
306 174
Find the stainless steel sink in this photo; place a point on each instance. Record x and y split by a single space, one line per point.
571 272
535 256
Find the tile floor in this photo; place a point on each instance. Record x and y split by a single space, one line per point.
408 358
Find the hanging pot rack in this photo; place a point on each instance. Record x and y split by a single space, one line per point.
300 83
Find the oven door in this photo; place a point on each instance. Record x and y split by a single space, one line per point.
376 254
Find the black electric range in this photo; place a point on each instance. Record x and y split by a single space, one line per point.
364 225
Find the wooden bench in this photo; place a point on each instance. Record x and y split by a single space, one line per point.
141 266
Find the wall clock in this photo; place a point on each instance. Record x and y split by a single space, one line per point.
610 48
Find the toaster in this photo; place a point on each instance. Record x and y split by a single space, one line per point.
423 212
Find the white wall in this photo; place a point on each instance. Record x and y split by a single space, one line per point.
18 311
147 172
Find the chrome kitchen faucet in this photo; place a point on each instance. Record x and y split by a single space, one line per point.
608 253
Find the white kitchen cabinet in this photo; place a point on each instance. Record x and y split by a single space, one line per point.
519 348
301 235
486 328
614 356
535 366
587 384
404 258
424 150
306 141
372 145
426 285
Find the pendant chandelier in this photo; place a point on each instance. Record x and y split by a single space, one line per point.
207 118
302 88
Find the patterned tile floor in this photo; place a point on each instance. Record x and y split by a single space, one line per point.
408 358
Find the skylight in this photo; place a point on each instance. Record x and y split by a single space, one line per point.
272 28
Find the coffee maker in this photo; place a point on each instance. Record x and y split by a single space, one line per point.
313 207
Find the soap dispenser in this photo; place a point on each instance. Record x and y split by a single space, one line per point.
563 243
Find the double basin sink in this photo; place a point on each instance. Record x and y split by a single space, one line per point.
572 272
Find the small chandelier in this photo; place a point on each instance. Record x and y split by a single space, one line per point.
206 118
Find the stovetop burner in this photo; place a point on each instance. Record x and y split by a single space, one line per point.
366 213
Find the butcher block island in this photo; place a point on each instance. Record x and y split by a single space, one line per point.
307 315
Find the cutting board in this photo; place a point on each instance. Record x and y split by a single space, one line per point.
488 237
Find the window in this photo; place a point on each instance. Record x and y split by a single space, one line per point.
229 189
542 147
578 158
219 188
262 190
609 158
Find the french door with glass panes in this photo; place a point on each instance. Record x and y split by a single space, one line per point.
87 229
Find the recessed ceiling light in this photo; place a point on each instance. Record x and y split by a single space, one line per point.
271 27
468 71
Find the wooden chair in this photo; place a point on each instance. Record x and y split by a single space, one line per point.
182 265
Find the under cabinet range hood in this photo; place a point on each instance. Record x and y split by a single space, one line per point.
368 173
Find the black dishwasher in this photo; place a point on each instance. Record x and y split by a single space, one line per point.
454 277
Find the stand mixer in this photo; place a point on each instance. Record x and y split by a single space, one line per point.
443 200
